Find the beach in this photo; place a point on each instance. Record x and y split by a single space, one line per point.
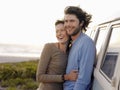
9 59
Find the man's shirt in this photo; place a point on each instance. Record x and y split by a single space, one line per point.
81 57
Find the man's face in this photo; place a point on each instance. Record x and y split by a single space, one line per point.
72 24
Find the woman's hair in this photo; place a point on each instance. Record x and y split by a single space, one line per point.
69 45
80 14
59 21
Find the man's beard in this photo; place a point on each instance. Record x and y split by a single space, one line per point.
77 30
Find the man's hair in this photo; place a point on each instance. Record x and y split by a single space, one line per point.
80 14
59 21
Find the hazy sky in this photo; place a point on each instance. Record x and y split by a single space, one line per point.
32 21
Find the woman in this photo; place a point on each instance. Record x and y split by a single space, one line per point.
53 62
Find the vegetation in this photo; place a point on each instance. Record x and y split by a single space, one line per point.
19 76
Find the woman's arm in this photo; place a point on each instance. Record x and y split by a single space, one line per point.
41 75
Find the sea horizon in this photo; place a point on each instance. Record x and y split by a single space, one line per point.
18 53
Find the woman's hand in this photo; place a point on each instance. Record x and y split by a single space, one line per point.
72 76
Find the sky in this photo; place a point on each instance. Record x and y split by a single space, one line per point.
31 22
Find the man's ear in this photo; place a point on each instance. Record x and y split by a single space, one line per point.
81 23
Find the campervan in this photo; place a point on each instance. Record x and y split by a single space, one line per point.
107 65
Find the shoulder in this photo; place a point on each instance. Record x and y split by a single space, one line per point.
49 45
86 38
85 41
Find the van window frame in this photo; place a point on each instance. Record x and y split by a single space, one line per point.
105 53
102 72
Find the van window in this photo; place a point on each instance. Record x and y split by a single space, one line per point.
108 66
115 38
109 63
101 36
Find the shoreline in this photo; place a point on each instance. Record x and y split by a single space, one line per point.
12 59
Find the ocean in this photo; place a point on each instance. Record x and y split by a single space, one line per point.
18 53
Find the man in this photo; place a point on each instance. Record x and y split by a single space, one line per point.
82 53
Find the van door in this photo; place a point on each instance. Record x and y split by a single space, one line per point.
107 74
119 86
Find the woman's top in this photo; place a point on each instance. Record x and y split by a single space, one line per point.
51 67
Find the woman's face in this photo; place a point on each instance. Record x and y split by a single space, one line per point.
61 33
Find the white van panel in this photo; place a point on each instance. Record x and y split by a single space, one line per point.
107 70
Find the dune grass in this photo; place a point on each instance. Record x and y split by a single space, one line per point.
19 76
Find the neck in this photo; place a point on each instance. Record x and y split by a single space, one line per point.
75 36
62 46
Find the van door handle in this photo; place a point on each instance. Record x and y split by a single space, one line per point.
113 82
